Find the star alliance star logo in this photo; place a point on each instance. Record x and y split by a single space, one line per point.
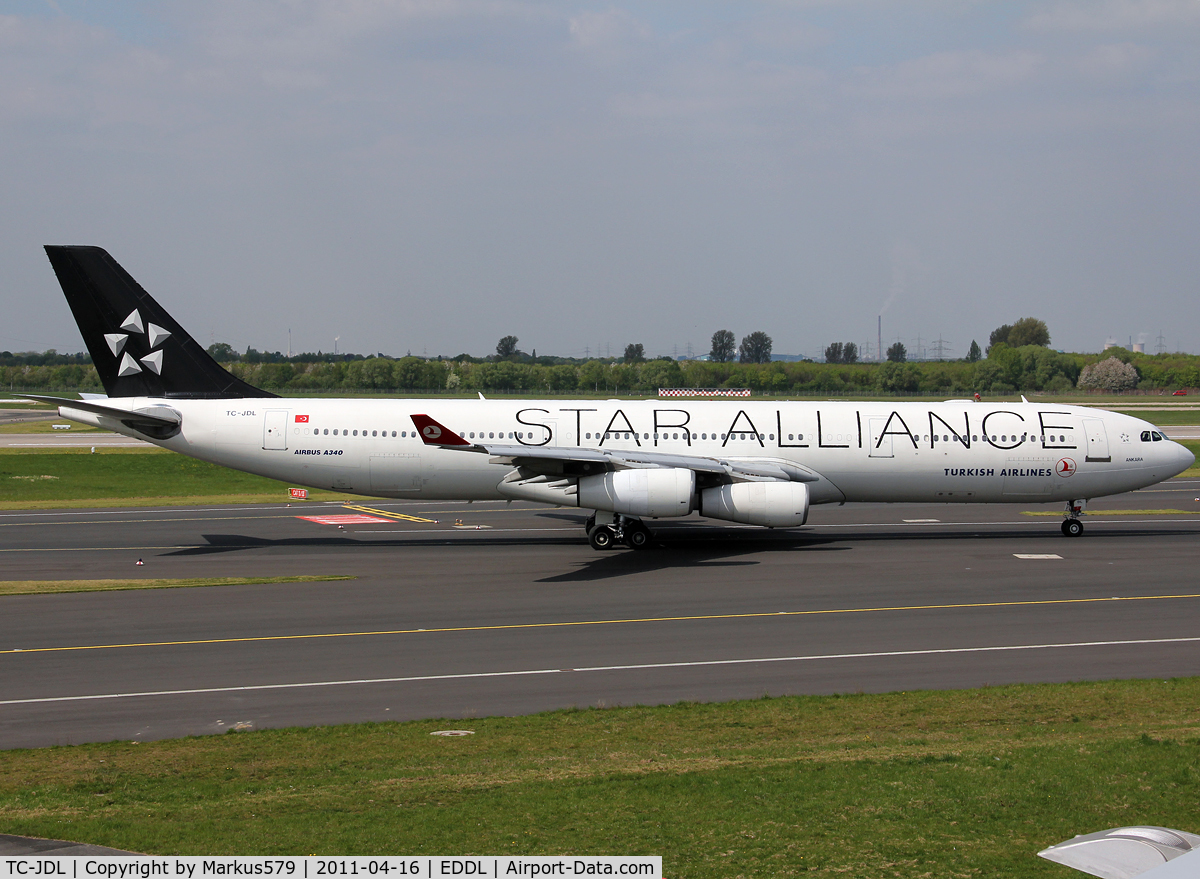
155 335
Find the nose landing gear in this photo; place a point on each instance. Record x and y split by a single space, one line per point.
1071 526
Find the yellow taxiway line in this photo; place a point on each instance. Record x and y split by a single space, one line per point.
566 624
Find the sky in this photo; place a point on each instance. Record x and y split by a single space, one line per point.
427 176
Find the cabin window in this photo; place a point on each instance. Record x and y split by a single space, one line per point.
722 437
790 437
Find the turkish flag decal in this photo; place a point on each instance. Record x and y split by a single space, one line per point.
302 419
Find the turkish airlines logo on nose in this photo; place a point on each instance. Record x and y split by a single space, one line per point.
431 431
1066 467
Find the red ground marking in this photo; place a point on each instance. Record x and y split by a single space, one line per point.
355 519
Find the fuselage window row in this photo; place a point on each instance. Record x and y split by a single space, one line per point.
1146 436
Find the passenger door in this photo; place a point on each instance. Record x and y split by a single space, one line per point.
1097 440
275 429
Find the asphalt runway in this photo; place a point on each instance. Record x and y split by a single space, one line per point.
512 612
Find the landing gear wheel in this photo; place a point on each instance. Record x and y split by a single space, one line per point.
601 537
637 536
1072 527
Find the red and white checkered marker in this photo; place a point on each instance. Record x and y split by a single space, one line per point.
704 392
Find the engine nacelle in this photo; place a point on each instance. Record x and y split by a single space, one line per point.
772 504
653 493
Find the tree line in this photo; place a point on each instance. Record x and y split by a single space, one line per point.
1006 370
1016 360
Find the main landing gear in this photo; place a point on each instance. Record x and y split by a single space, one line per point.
1071 526
625 529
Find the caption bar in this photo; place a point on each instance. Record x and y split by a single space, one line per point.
151 867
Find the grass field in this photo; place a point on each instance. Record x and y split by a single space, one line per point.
1165 416
47 427
129 477
960 783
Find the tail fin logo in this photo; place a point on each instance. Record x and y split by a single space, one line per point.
155 335
434 434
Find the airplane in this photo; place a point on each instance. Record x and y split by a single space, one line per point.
760 462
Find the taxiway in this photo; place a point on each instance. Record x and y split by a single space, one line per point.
511 612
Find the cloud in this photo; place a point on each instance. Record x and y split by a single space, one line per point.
955 74
1114 15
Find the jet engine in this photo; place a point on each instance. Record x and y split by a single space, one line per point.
652 493
772 504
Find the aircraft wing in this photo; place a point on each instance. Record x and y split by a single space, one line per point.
552 460
1126 852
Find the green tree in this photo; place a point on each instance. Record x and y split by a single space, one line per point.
222 352
635 352
897 353
755 348
723 346
998 335
1028 331
973 353
850 353
896 375
660 374
592 374
507 347
833 353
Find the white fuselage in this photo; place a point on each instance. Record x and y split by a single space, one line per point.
955 451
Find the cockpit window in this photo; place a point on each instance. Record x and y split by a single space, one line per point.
1145 436
1158 437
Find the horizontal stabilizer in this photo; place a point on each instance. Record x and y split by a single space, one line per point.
155 417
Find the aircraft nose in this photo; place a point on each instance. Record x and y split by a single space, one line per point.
1186 458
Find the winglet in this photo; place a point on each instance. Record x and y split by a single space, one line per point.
434 434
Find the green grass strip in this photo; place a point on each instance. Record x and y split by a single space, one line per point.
1165 416
942 783
42 587
47 426
73 478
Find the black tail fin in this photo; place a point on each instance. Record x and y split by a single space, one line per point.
138 349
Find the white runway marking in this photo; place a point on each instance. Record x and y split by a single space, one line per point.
640 667
1036 555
